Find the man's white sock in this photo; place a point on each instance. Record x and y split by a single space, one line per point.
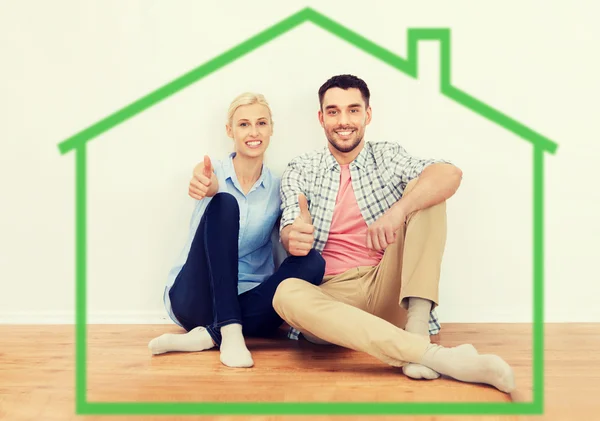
418 322
465 364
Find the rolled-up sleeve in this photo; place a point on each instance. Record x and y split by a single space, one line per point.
408 167
292 184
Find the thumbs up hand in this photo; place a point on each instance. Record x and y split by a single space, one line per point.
204 182
207 169
301 235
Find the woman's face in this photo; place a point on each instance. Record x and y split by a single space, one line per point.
251 130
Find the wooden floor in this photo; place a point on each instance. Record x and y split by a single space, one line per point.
37 372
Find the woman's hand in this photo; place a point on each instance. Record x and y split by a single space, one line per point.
204 182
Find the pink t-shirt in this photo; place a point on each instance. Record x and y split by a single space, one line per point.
346 245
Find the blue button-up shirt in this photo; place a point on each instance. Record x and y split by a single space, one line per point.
259 211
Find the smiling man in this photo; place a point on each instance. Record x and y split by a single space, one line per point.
378 217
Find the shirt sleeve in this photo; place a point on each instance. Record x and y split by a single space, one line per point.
406 166
293 182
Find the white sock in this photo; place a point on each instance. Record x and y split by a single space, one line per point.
418 322
463 363
313 339
196 339
234 352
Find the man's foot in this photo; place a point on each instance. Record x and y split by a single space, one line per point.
419 372
313 339
196 339
418 322
234 352
463 363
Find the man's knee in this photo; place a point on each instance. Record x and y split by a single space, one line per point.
409 186
287 292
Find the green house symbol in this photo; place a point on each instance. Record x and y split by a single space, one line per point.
409 67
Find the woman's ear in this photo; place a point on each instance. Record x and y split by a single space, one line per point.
229 130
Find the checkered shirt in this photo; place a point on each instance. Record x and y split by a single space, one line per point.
379 174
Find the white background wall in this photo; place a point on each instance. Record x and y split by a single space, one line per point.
66 64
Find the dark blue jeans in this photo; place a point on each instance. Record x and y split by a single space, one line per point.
205 291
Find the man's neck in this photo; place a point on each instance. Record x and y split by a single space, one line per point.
344 158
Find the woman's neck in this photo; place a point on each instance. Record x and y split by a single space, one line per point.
247 170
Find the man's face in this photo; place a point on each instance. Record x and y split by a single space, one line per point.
344 118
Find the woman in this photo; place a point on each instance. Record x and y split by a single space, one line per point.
225 280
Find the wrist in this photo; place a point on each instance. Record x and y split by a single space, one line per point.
398 214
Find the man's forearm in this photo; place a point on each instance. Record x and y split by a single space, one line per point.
436 184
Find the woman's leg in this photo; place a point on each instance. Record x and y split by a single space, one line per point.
258 315
204 295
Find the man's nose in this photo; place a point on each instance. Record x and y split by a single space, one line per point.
344 120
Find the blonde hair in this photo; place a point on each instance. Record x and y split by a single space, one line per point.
247 98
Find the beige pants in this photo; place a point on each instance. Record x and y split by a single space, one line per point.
364 308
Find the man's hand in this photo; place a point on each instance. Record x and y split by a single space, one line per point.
300 236
204 182
383 232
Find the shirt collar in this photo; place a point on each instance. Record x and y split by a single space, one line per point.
360 162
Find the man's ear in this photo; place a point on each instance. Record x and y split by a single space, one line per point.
369 115
320 116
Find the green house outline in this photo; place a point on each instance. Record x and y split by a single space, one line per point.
409 67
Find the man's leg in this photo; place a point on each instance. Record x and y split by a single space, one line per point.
335 312
403 288
309 308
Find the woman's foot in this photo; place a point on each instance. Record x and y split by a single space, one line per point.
196 339
234 352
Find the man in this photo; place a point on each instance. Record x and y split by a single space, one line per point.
377 215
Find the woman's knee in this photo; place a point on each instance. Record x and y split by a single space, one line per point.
314 267
224 205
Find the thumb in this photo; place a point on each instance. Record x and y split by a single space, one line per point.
207 171
304 213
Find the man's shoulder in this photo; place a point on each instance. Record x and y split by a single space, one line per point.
313 157
384 148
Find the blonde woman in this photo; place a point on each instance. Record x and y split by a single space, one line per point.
222 287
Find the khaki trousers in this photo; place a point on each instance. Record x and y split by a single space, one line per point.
365 308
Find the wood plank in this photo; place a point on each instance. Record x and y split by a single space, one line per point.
37 372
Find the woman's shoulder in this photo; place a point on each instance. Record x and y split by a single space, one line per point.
273 177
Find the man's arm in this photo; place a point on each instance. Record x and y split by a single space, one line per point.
436 184
296 230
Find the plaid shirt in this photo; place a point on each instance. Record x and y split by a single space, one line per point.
379 174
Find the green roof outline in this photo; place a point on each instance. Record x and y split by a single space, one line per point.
409 67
